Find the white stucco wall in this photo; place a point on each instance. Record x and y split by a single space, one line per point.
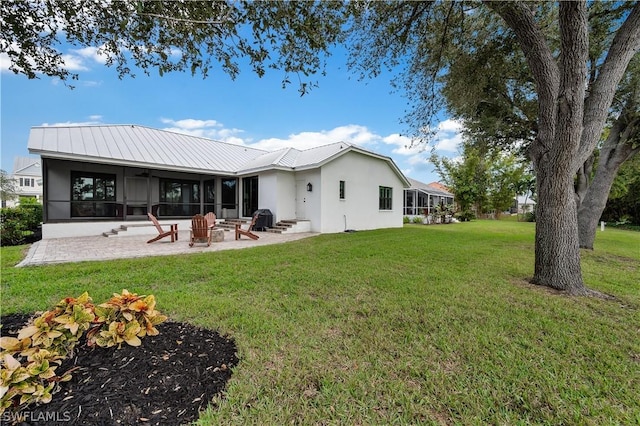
286 203
276 192
363 175
267 195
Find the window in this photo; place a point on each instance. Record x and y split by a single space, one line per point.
179 197
93 194
342 190
386 198
228 193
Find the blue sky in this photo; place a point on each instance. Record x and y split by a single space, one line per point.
249 110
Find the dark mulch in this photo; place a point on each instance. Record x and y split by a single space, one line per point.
167 380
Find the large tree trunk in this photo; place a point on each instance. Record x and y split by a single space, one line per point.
557 261
561 92
617 149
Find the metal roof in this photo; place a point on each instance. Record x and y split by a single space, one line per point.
28 166
142 146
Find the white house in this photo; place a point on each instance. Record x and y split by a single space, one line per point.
27 175
102 176
523 204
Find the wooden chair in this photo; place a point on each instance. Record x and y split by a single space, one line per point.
211 220
247 232
200 231
173 231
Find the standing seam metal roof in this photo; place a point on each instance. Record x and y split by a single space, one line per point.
142 145
146 147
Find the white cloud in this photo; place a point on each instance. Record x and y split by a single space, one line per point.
5 62
448 136
450 144
74 62
213 129
191 124
403 144
450 126
93 120
210 129
93 53
352 133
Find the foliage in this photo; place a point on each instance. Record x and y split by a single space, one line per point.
467 178
8 189
624 202
289 36
465 216
17 223
484 180
530 216
417 219
406 219
41 346
129 317
508 177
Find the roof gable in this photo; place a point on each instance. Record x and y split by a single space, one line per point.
27 166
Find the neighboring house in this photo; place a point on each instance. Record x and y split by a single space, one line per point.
118 173
523 204
421 196
27 174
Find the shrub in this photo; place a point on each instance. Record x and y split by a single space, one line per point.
18 224
406 219
417 219
29 362
465 216
530 216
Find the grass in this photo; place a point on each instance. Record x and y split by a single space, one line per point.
419 325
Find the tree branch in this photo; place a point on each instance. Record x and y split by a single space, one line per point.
542 64
171 18
625 45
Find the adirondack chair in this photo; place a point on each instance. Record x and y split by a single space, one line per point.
172 232
211 220
247 232
200 231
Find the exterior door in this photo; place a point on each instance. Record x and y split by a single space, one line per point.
136 197
301 199
249 195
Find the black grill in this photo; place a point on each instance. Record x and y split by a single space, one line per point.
264 221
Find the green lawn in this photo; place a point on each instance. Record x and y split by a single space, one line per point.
419 325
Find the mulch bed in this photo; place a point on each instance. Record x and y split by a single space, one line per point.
167 380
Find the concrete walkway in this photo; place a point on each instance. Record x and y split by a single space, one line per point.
63 250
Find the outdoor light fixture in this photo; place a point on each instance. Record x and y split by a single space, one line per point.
309 187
